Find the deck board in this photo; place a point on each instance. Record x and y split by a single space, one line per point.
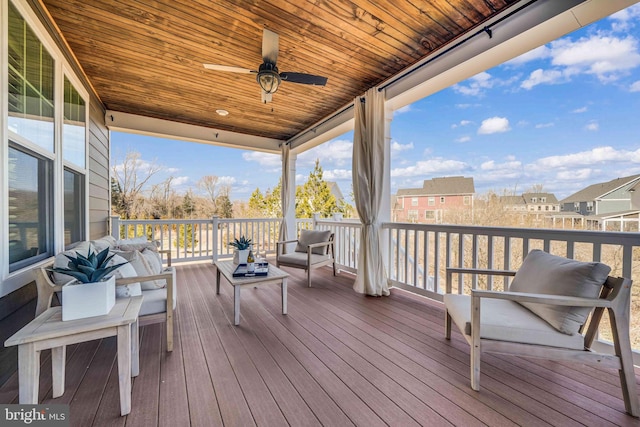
337 359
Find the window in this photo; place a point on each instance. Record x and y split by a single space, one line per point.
466 200
414 201
31 82
73 131
429 215
46 148
543 200
30 207
589 206
442 199
539 207
534 199
73 207
412 215
546 208
431 201
576 206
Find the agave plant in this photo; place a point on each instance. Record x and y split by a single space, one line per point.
241 243
89 269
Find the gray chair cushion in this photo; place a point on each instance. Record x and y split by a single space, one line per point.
300 258
155 301
543 273
308 237
504 320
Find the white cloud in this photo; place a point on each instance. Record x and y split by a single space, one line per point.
461 124
574 175
580 110
595 156
541 52
475 85
337 152
494 125
635 86
592 126
541 76
402 110
337 175
544 125
266 160
171 170
464 139
492 171
623 19
438 166
396 147
179 180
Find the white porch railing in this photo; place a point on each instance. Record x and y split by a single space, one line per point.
418 253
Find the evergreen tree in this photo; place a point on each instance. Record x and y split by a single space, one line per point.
188 204
224 206
117 199
315 196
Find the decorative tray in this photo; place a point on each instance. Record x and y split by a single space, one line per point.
262 269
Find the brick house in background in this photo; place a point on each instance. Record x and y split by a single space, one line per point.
531 202
440 200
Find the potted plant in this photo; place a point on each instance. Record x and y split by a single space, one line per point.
242 245
92 293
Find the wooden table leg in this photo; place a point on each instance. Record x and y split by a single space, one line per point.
283 291
58 356
135 349
124 368
28 373
236 305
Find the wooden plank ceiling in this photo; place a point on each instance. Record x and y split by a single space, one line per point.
146 57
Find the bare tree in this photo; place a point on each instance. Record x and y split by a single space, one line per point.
214 190
132 176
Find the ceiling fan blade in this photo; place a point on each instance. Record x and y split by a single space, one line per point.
270 42
229 68
305 79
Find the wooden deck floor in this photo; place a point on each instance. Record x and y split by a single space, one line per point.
337 359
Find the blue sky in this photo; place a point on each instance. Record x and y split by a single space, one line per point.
564 116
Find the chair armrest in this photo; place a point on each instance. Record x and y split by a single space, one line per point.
319 245
129 280
561 300
477 271
282 242
166 252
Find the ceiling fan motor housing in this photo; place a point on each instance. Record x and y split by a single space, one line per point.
268 77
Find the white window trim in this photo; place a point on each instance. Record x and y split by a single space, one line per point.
12 281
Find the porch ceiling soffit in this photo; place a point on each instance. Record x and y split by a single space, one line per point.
133 123
540 23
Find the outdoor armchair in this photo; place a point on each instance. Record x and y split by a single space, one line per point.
549 304
314 249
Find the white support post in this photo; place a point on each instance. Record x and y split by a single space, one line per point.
292 229
314 220
215 230
115 226
385 205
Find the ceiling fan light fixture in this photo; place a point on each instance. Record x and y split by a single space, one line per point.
268 78
222 112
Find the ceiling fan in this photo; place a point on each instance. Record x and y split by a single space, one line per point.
268 75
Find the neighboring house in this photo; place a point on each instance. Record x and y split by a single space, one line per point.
603 198
437 201
531 202
335 190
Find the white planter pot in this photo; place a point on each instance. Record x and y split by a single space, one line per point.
81 300
240 256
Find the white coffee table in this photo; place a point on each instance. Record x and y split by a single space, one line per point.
275 275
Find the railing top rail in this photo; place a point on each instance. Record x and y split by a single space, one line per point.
612 237
163 221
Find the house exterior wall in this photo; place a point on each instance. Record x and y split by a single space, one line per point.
99 183
607 206
438 210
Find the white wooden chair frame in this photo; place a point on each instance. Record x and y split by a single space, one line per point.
614 296
280 245
46 287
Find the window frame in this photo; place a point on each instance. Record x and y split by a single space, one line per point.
15 279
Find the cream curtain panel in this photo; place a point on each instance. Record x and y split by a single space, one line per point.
285 193
368 161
